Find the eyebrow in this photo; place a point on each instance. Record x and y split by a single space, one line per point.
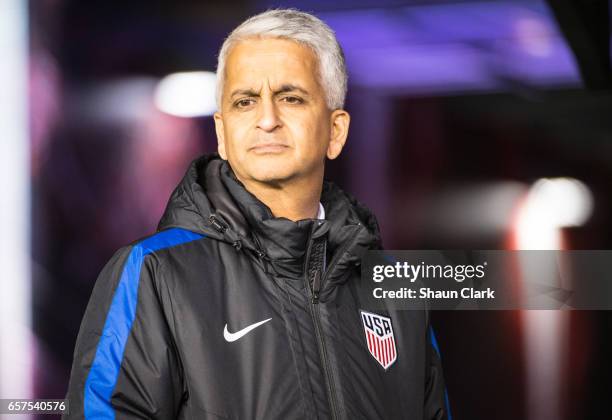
286 88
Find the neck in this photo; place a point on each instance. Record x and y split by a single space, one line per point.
295 200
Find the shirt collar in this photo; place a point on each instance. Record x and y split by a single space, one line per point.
321 213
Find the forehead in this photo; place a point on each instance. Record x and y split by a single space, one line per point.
253 61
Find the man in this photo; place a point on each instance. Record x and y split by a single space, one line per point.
244 304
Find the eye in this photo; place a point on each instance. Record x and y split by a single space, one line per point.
244 103
292 100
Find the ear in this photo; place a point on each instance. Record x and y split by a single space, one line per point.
220 135
340 120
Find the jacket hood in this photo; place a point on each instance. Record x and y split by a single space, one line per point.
211 200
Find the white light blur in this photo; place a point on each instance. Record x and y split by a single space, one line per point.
546 343
187 94
552 203
476 209
120 101
15 302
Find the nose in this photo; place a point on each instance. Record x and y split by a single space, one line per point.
268 118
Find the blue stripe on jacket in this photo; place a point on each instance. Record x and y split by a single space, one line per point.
434 343
106 365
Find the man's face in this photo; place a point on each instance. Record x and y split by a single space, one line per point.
274 125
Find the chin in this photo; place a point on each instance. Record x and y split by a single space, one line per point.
270 170
271 176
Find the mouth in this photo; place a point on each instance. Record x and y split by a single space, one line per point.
268 148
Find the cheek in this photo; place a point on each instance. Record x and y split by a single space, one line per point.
311 135
235 134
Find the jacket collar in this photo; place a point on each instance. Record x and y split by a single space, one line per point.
212 201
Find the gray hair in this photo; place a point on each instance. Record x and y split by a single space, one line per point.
300 27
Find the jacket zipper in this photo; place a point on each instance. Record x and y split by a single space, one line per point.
331 392
315 289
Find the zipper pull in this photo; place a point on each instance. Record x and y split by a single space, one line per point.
316 287
217 224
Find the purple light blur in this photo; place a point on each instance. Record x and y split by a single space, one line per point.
454 47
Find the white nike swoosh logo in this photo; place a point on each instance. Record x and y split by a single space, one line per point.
229 337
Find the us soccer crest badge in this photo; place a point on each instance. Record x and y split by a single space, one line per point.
379 337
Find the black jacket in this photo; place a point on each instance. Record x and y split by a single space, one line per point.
229 313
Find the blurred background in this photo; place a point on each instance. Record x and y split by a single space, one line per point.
475 125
